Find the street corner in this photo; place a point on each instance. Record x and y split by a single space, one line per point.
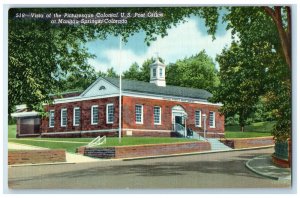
263 165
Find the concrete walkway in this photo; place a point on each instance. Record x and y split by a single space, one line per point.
70 157
264 166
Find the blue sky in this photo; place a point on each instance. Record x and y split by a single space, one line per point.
185 40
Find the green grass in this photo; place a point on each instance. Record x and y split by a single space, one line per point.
258 129
12 131
229 134
69 147
254 127
70 144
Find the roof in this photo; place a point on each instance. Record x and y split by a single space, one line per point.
24 114
151 88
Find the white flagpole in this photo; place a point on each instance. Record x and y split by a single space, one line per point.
120 93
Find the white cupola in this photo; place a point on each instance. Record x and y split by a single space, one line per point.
157 73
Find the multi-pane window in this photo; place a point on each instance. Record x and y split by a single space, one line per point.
139 114
160 72
63 117
94 114
109 113
76 116
51 118
154 72
157 115
198 118
212 119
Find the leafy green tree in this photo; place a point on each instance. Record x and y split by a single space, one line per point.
133 72
41 53
111 73
197 71
241 83
78 80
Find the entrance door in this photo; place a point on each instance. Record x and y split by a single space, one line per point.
179 120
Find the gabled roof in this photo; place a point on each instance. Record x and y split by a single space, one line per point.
151 88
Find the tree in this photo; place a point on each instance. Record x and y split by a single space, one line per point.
111 73
197 71
241 83
133 72
41 53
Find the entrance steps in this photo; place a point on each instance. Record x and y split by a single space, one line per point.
217 145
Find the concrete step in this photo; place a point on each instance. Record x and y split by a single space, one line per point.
217 145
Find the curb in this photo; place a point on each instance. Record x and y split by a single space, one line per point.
41 164
263 174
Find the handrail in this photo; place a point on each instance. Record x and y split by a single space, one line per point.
179 129
97 141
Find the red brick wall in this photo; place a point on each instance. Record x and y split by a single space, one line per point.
166 114
85 116
145 150
36 156
249 142
128 116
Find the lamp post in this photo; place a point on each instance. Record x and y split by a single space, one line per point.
204 125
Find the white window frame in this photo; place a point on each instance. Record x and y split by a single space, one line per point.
159 123
107 115
161 73
214 119
200 117
142 114
74 109
154 69
61 117
51 126
92 114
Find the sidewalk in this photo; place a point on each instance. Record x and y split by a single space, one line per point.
263 166
70 157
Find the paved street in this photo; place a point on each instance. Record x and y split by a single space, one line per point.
217 170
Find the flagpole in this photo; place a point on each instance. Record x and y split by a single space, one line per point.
120 92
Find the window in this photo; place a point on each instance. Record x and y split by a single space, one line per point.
51 118
212 119
198 118
63 117
94 114
139 114
76 116
154 72
109 113
160 72
157 115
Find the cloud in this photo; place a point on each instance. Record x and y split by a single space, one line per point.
182 41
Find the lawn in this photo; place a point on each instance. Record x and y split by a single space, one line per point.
254 127
229 134
258 129
70 144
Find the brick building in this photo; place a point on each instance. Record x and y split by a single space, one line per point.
148 109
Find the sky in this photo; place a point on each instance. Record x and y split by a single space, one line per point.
185 40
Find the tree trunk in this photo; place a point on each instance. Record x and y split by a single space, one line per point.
242 128
284 35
